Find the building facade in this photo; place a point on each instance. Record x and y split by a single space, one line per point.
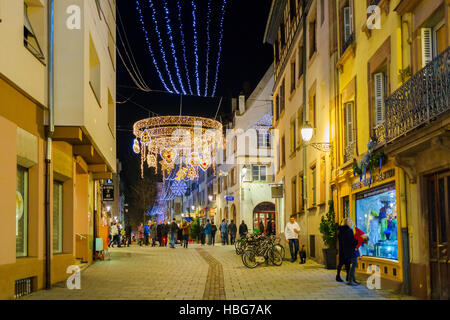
82 149
304 91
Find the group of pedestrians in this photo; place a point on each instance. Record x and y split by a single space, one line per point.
208 233
119 236
228 231
349 244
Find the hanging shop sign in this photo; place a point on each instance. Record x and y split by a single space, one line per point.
108 193
377 178
212 212
277 191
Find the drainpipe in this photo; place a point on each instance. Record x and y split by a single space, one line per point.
48 157
305 171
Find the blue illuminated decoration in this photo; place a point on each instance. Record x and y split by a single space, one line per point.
183 43
208 44
194 24
172 46
161 45
141 18
220 47
178 188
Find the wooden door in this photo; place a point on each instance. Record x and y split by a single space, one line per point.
438 188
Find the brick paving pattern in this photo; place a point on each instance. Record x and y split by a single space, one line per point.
214 287
202 272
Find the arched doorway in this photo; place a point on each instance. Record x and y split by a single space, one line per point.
263 212
233 213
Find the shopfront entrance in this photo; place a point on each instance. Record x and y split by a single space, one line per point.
263 212
438 196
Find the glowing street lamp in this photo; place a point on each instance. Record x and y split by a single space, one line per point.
307 132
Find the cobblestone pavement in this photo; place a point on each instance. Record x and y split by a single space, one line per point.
203 272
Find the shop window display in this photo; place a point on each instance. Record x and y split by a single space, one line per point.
376 215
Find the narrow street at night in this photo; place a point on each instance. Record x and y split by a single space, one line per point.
205 273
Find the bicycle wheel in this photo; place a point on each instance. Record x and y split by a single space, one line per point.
237 246
280 249
249 260
275 258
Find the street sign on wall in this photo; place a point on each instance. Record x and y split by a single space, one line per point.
277 191
229 198
108 192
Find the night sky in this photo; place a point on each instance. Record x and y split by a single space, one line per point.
244 59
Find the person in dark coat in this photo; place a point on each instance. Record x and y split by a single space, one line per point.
243 230
261 227
347 245
213 233
202 233
159 233
271 230
232 229
128 234
165 232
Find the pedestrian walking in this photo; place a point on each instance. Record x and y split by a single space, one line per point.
166 230
146 233
213 233
347 245
128 234
186 228
243 230
261 227
173 233
362 239
208 231
202 233
153 233
180 234
224 232
115 235
291 233
232 230
159 233
141 234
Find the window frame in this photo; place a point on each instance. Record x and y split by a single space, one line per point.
25 214
60 185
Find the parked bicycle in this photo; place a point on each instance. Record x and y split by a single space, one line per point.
262 250
250 240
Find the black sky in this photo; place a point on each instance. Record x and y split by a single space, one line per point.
244 59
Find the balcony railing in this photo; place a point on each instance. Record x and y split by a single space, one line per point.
419 101
349 152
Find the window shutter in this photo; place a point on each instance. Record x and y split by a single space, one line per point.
379 97
427 46
350 15
349 122
347 31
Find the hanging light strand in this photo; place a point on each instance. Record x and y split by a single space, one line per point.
161 45
183 44
194 24
208 46
220 46
141 18
172 46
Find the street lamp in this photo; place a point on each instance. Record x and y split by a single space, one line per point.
307 134
244 170
210 197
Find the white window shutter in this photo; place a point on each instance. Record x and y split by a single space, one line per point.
427 46
347 28
379 97
351 15
349 122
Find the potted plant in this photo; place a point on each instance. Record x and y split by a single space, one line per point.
328 228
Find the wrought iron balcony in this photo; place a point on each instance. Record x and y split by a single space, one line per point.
419 101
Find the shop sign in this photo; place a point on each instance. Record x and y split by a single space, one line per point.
377 178
277 191
108 193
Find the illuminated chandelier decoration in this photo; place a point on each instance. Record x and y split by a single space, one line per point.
183 144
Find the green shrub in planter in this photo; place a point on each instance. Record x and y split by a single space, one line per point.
328 228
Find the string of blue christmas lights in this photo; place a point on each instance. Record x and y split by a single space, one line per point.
220 47
172 46
183 44
161 45
208 44
194 24
141 18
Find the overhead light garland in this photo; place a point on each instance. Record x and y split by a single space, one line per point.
183 44
161 45
194 24
184 141
220 47
208 44
174 54
141 19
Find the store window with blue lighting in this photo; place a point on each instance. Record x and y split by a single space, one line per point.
376 215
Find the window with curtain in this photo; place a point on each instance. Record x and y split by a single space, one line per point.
22 212
57 216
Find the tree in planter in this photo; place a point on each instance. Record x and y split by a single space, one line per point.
195 229
328 228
